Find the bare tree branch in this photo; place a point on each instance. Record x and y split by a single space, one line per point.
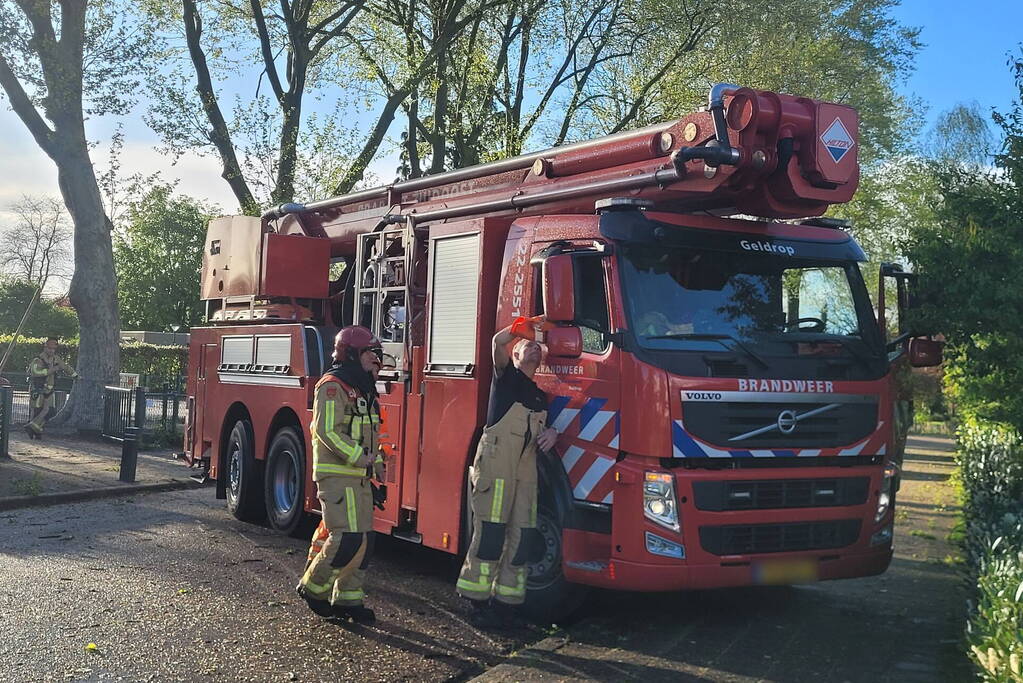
270 67
220 135
23 107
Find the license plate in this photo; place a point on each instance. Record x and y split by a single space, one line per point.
785 571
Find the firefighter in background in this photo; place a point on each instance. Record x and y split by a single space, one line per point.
42 375
504 478
345 428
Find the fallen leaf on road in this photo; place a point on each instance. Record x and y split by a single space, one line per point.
92 647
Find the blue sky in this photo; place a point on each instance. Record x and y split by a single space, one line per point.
966 46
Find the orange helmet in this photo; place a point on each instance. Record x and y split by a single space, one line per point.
351 341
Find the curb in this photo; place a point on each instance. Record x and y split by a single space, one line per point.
511 669
47 499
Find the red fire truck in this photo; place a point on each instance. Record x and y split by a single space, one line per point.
725 392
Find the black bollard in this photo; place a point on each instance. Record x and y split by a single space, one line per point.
129 454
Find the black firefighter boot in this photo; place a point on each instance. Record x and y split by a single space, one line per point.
357 613
510 616
482 615
321 608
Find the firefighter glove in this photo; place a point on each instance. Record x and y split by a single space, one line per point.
380 471
379 495
530 328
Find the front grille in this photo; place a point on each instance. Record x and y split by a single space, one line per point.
779 493
749 539
717 422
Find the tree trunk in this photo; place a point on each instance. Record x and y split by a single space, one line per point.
93 291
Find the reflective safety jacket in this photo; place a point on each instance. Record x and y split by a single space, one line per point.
42 373
345 425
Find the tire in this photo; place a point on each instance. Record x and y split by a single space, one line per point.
284 481
244 484
549 597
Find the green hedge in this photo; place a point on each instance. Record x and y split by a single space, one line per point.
990 462
149 360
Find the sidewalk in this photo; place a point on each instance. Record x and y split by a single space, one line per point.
61 468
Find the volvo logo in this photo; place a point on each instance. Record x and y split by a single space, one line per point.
787 421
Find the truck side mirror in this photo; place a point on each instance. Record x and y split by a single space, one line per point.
905 299
925 353
559 288
564 342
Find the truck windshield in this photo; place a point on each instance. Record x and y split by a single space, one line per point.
749 302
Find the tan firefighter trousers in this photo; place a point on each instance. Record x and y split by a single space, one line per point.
343 542
41 403
504 536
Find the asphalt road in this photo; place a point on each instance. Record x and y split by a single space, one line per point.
904 626
169 587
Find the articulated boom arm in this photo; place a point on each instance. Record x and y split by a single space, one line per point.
752 152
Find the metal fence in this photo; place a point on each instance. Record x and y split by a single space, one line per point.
21 405
122 408
158 415
165 413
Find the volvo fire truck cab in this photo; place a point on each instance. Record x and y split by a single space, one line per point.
728 400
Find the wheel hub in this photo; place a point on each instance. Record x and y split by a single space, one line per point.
285 483
235 469
544 572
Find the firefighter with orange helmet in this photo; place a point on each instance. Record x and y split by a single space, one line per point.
504 478
345 430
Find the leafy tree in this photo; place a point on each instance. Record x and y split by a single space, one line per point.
265 142
158 256
62 62
851 52
961 136
534 74
48 317
970 263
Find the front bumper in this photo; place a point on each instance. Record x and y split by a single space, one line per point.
622 559
649 577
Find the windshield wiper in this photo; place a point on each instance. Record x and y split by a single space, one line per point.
850 344
714 337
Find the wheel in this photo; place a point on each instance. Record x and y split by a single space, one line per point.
284 481
244 475
549 596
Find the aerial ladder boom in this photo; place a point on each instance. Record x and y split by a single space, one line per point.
749 152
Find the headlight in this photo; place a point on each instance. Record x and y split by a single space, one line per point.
884 500
659 499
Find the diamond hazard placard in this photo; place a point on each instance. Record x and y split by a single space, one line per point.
837 140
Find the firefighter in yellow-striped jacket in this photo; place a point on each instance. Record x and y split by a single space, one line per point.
42 376
345 429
